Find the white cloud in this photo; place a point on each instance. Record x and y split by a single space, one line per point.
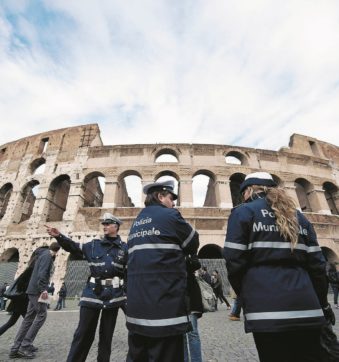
245 73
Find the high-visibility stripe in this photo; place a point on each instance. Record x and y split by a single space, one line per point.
157 322
186 242
96 264
272 245
92 300
153 246
230 245
98 301
117 265
118 299
285 314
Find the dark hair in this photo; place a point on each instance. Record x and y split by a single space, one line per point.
54 246
204 268
153 197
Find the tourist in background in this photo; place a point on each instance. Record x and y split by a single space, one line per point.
217 288
37 307
62 296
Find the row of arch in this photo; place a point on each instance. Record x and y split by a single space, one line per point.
129 193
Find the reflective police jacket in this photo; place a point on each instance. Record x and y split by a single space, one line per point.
107 259
281 290
156 273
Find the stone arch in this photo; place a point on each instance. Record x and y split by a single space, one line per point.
38 166
277 179
210 251
332 197
25 204
166 152
9 261
203 188
235 158
10 254
303 189
93 189
5 194
57 197
129 190
235 181
330 255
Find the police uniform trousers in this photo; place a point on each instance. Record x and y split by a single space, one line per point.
152 349
292 346
85 333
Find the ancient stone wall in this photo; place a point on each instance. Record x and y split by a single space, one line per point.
68 179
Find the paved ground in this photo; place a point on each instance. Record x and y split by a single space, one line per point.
222 340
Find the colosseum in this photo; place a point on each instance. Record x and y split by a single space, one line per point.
67 178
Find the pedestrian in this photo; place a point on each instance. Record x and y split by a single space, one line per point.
333 277
276 266
192 343
62 296
51 289
217 288
19 299
104 292
158 242
205 275
37 307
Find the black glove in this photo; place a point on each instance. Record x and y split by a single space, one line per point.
329 315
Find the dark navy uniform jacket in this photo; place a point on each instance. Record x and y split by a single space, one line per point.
281 290
156 273
107 258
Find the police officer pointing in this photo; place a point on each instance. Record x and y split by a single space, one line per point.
104 291
158 242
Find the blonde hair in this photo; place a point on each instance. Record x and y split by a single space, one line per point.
284 209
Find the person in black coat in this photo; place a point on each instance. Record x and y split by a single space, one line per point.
19 301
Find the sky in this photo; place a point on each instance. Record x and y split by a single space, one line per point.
244 73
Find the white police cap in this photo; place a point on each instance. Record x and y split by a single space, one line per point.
108 218
161 186
258 178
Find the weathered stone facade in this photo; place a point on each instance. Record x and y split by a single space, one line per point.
53 178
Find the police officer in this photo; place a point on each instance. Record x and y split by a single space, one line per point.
276 266
104 291
157 280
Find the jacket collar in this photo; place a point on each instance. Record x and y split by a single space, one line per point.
109 241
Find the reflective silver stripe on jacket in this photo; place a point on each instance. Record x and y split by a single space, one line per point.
230 245
117 265
92 300
153 246
190 237
157 322
285 315
272 245
96 264
98 301
117 299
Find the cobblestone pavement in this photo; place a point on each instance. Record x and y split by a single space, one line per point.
222 340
